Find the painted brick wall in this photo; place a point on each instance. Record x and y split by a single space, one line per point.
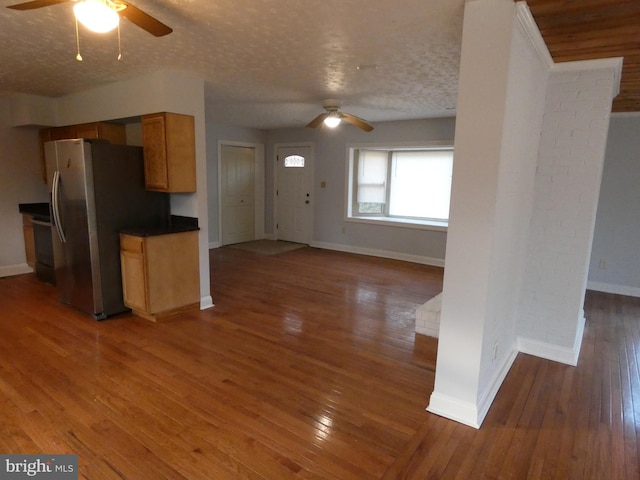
571 154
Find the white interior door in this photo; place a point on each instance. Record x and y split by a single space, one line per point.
237 193
294 194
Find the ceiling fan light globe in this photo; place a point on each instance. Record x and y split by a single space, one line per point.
332 121
96 15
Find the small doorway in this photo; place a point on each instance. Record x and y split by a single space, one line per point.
241 195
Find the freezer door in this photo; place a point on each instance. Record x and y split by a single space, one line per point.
77 272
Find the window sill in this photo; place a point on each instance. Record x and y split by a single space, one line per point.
402 222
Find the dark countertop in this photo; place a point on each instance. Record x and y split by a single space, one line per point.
178 224
39 211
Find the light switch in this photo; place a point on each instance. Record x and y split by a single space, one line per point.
323 184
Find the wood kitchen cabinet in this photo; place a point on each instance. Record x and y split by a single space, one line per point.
160 274
113 132
168 141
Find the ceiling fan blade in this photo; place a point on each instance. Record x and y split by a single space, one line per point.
144 20
36 4
316 122
357 121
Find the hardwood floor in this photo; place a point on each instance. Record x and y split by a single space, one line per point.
307 368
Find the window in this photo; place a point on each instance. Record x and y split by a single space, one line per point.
400 184
295 161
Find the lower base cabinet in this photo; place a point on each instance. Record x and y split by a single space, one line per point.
160 274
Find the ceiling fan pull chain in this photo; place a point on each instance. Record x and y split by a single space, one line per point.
78 56
119 45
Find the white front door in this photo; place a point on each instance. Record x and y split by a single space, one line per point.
237 193
294 194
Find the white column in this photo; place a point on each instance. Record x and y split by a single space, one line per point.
482 98
529 147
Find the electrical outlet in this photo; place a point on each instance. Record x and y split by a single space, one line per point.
495 351
602 264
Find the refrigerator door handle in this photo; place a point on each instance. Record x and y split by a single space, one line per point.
55 205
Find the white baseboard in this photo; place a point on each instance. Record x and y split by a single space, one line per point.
556 353
429 332
468 413
11 270
206 302
454 409
218 244
487 399
612 288
436 262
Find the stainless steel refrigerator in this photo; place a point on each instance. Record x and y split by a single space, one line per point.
96 190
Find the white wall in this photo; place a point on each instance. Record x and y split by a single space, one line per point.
330 229
20 182
524 109
616 255
572 146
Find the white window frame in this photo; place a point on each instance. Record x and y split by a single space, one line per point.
351 216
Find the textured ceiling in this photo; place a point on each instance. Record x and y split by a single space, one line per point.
266 63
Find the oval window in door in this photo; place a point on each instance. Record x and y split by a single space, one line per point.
293 161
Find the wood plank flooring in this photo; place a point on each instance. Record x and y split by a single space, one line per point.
308 367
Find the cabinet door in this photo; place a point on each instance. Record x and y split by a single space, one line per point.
181 152
87 130
114 132
173 273
134 284
156 172
62 133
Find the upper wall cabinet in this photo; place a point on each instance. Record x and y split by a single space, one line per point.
168 140
113 132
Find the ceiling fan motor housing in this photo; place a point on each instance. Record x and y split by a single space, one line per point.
332 104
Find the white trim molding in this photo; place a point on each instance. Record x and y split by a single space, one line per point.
556 353
487 398
454 409
530 29
468 413
206 302
613 63
612 288
11 270
434 262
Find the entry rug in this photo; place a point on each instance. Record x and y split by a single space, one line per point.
268 247
39 467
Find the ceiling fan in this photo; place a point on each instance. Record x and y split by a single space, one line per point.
333 116
119 7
